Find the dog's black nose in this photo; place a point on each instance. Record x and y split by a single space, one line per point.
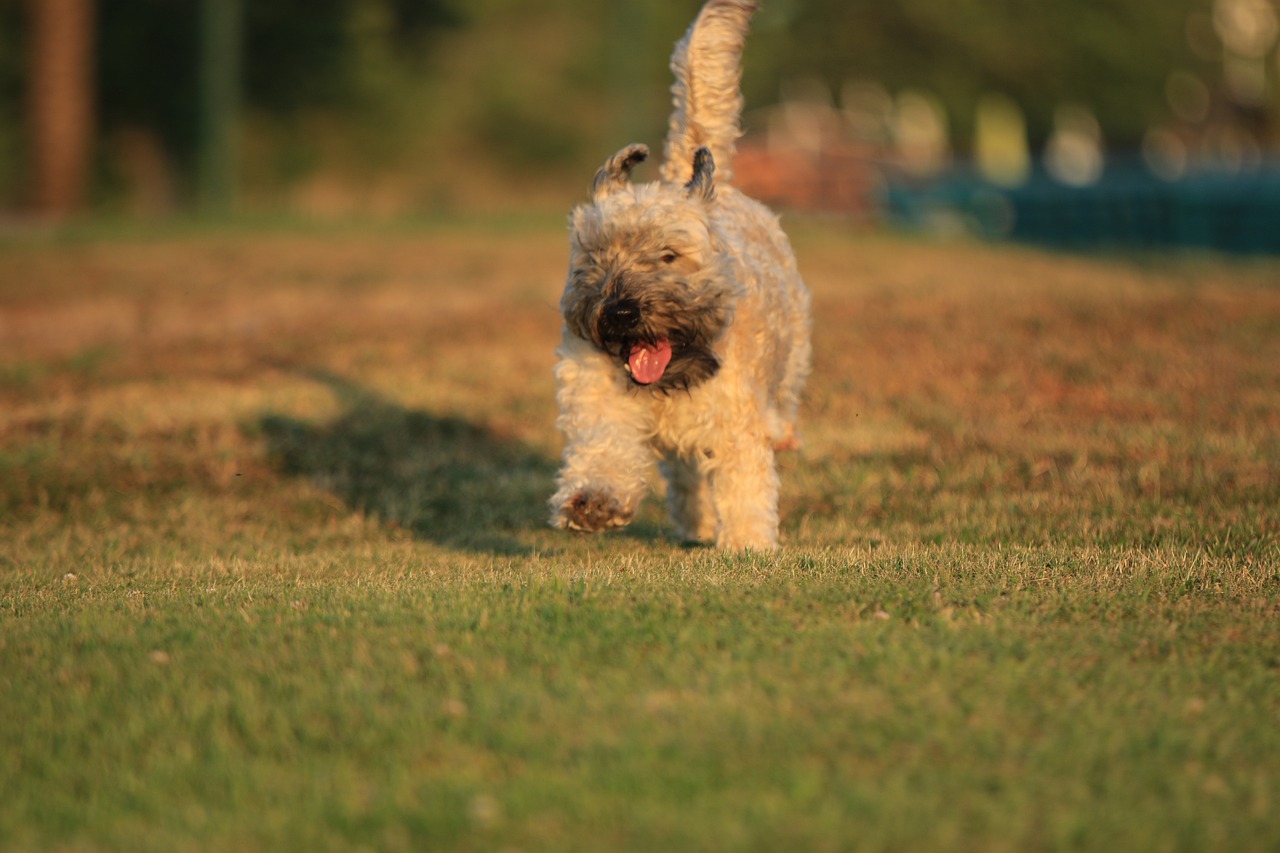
620 317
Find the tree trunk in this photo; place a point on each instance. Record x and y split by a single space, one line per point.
61 103
219 104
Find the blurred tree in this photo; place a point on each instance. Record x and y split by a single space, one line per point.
13 83
292 55
1113 55
440 94
149 74
61 103
306 53
219 103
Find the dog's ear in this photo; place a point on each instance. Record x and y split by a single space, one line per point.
702 184
615 173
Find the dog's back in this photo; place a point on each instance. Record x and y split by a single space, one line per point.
706 93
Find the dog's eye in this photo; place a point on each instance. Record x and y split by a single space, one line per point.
669 256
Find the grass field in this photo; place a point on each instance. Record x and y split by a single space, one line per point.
274 575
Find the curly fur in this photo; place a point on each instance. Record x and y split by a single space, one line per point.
691 263
706 94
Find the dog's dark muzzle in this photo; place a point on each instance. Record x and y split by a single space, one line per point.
619 320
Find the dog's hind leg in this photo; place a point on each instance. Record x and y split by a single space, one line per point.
689 499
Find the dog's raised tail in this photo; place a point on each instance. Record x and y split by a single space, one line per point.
707 93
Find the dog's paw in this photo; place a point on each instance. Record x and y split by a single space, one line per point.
592 512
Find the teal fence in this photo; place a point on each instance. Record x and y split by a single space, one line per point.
1128 208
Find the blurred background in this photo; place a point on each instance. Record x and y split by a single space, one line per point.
1131 122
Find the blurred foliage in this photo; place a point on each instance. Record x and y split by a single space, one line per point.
304 53
1111 55
11 81
297 55
510 91
146 71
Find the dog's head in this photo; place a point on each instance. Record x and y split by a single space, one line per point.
646 282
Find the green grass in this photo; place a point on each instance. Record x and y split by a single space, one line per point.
274 575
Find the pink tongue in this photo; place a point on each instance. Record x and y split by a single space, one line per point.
648 361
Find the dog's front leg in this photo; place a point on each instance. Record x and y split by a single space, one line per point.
744 492
607 455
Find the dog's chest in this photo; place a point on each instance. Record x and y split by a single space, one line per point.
691 422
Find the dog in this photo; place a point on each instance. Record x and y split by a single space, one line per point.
686 323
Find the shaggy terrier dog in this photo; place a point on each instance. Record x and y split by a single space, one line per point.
686 323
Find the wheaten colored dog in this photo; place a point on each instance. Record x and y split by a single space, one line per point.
686 323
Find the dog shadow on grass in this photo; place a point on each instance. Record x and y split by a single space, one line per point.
441 478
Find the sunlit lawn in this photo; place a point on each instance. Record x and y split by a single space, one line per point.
274 572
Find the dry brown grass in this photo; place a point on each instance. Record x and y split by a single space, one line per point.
1069 392
1091 389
